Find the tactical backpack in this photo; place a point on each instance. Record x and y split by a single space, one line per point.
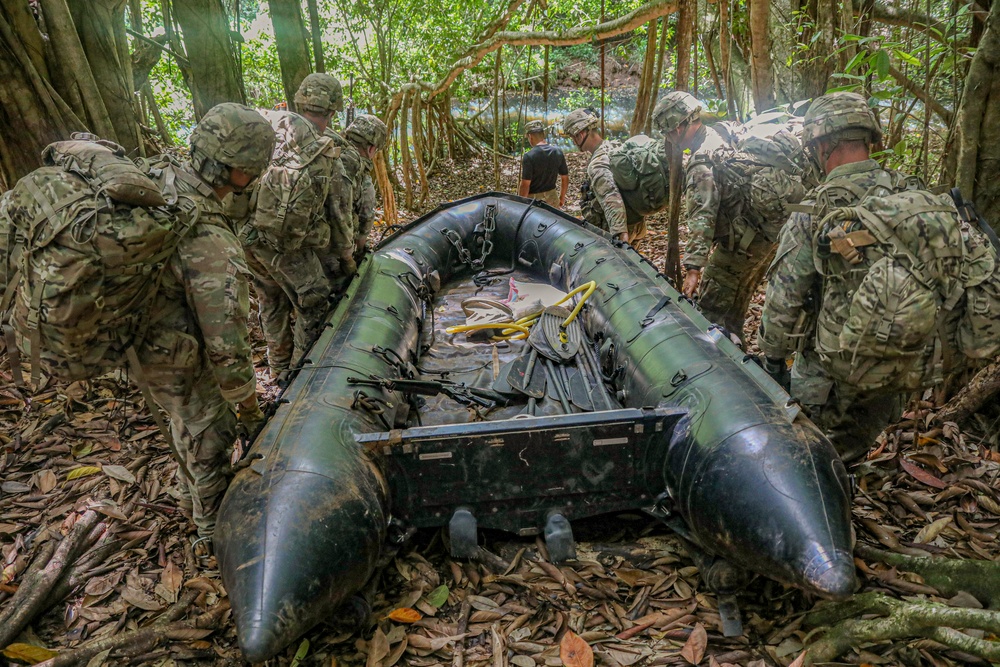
909 318
88 235
978 335
293 190
642 174
757 181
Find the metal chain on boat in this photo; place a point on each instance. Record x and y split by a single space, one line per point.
489 226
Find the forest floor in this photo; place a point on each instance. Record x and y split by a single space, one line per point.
634 594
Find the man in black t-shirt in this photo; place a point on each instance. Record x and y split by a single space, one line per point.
540 166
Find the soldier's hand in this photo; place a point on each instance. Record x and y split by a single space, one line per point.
348 267
778 370
359 245
250 414
691 281
622 237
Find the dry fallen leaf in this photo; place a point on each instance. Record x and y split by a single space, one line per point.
28 653
405 615
694 648
574 651
378 649
799 661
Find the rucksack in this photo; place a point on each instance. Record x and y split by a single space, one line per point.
90 235
757 181
642 173
978 335
901 327
293 190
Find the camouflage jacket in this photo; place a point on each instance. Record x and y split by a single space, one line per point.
795 284
702 196
205 289
602 185
359 189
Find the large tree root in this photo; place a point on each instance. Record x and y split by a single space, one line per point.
144 640
43 576
980 578
898 619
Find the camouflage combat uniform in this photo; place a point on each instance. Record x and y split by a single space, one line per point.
851 419
603 206
358 189
288 275
196 355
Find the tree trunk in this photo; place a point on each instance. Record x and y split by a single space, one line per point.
646 85
32 115
101 26
214 72
293 51
725 55
315 31
761 68
72 76
685 36
978 168
661 57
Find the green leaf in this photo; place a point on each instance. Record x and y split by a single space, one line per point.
300 654
84 471
438 596
881 63
899 148
855 61
906 57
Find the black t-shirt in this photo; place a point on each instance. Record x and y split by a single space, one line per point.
541 165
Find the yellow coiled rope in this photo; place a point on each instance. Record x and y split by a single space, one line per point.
520 329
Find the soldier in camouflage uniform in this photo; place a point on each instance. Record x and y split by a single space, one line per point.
839 130
362 139
603 205
196 356
298 232
731 214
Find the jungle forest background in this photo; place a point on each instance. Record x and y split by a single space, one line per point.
455 80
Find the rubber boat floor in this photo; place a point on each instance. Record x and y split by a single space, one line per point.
454 357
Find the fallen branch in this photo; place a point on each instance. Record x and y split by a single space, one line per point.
34 589
977 393
144 639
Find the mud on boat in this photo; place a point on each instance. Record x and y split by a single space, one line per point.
623 397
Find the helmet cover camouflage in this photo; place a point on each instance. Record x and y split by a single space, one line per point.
675 108
845 114
534 127
235 136
319 93
368 129
579 120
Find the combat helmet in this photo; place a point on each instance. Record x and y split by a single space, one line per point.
579 120
367 129
674 109
319 93
231 136
844 115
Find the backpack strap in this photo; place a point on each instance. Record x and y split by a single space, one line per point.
13 354
147 395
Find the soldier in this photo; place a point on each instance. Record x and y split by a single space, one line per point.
300 224
196 356
540 167
727 213
839 130
603 205
362 139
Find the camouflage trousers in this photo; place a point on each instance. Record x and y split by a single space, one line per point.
287 284
202 422
550 197
729 281
849 418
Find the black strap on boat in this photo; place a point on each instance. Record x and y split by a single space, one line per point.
651 315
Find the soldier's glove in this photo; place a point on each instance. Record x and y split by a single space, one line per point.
778 370
348 267
250 415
